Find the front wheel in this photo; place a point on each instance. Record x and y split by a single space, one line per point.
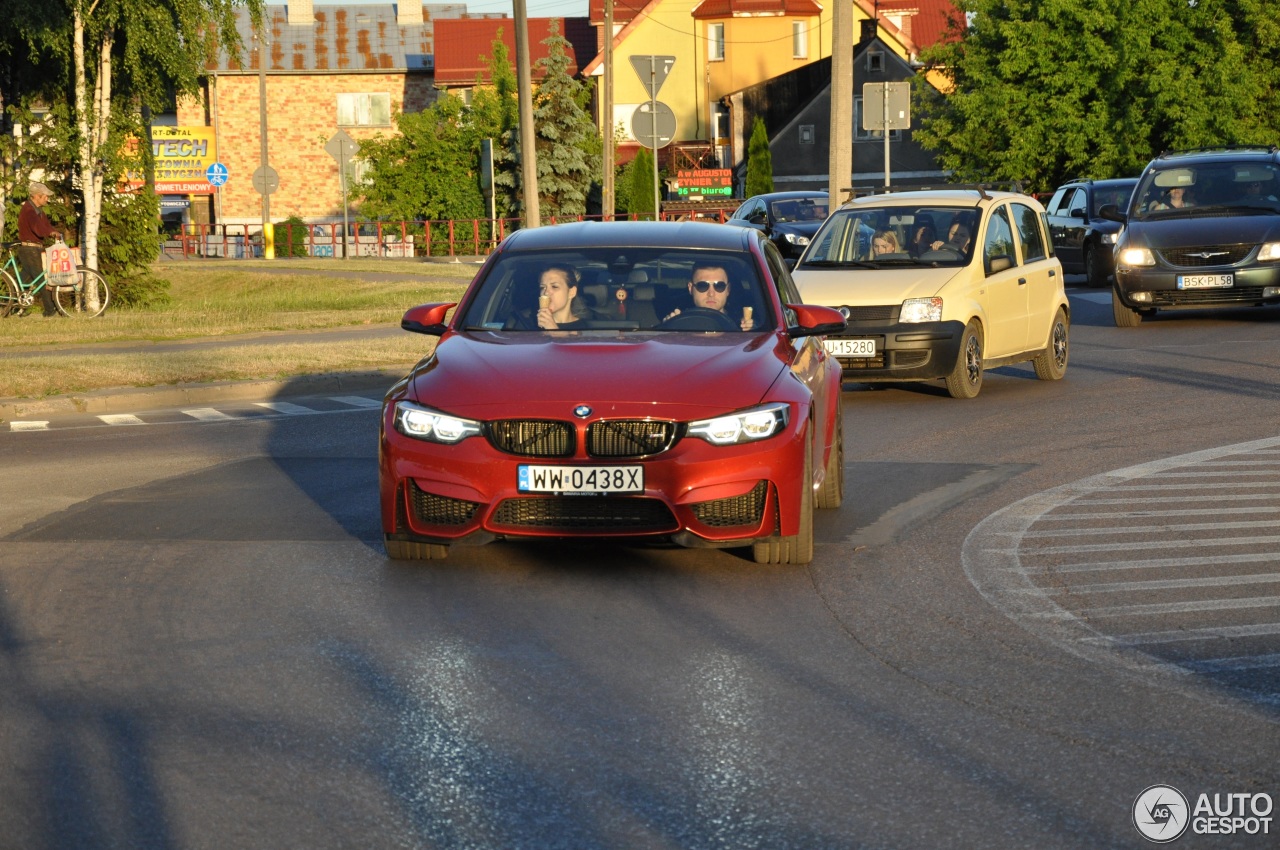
9 303
965 380
1051 364
797 549
1095 267
1124 317
831 493
86 299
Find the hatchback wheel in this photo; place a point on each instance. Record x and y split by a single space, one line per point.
1051 364
965 380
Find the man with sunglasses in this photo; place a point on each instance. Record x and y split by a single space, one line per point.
709 288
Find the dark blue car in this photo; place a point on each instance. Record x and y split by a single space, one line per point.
789 219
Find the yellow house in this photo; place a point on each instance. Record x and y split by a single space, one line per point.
717 47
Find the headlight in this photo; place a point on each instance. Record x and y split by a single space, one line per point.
1108 238
1137 257
796 240
422 423
758 423
921 310
1269 251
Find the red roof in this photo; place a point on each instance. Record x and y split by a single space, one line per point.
928 25
463 47
623 11
728 8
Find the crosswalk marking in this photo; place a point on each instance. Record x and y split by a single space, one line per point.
284 407
30 425
358 401
121 419
206 414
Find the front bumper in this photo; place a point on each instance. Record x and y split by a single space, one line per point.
1147 288
695 493
904 352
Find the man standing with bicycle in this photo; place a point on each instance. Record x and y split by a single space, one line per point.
33 228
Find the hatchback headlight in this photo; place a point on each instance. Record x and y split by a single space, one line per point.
1137 257
921 310
423 423
1269 251
759 423
795 239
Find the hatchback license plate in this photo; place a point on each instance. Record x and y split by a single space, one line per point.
1205 281
587 480
851 347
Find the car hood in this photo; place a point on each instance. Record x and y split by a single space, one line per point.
800 228
684 376
1206 230
867 287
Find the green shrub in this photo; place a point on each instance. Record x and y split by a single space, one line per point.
290 237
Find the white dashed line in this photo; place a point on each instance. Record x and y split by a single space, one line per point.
357 401
285 407
206 414
29 426
121 419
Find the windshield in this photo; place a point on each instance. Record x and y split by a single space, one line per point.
879 237
1207 190
621 289
1112 193
800 209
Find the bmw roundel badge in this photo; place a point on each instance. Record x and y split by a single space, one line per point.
582 411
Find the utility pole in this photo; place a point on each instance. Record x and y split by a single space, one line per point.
528 150
606 113
840 161
268 241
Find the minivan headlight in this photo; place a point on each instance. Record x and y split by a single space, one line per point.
1137 257
1269 251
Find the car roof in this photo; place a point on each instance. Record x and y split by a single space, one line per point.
1202 156
631 234
795 193
953 197
1108 181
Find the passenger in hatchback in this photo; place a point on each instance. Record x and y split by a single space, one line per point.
709 287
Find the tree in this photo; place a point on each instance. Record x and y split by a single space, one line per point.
1046 91
568 144
759 161
637 184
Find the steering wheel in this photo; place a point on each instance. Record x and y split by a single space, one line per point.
698 319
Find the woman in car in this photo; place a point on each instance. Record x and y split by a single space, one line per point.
884 242
558 306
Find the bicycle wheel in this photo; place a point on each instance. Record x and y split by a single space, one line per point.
88 298
9 303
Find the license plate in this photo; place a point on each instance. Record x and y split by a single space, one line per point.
585 480
851 347
1205 281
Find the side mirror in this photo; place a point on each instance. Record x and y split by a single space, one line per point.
1078 212
1112 213
812 320
426 319
999 264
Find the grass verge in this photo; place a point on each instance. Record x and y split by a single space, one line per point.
226 299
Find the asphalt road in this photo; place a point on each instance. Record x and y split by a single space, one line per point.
1031 607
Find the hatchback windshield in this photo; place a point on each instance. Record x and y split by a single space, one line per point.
621 289
1208 190
896 235
800 209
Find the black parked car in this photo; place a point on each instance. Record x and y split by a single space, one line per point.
1082 239
1201 230
789 219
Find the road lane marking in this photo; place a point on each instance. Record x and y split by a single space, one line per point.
121 419
1155 563
29 425
1165 584
1152 529
285 407
206 414
358 401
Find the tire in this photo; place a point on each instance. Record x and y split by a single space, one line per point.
831 493
797 549
410 550
965 380
1051 364
1095 267
9 304
87 299
1125 318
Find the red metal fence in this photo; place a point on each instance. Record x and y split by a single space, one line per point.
406 239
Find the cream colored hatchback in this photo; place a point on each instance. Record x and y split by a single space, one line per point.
940 285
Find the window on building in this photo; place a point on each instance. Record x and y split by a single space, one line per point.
861 135
806 134
875 61
364 110
799 40
715 42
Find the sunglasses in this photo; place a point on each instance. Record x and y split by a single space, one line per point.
704 285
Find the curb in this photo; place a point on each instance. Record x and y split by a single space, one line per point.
143 398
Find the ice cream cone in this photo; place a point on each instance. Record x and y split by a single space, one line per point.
746 314
544 301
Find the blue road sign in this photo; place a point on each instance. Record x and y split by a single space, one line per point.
217 174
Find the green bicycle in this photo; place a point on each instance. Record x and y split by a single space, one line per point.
84 299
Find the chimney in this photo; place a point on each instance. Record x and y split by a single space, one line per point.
870 29
409 14
300 13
